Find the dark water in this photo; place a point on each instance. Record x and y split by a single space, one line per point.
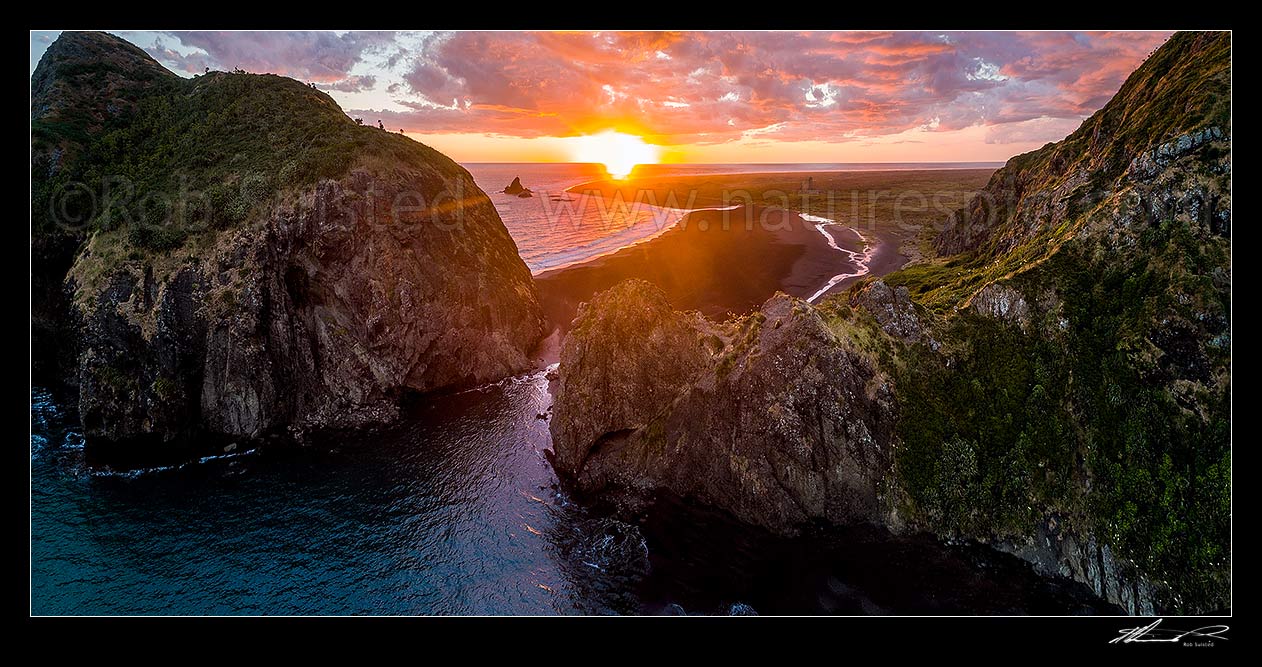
454 511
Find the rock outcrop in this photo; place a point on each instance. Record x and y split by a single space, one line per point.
83 83
1002 302
387 271
516 188
646 353
1055 551
894 311
319 318
771 416
1061 392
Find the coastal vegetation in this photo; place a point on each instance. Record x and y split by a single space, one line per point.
223 259
1052 376
193 156
1103 397
1052 365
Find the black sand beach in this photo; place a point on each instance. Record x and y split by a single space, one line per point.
724 262
719 262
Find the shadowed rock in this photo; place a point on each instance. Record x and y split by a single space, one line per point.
1063 368
765 416
514 188
315 307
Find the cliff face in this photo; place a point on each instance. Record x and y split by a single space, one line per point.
1056 383
83 83
299 274
1098 271
1176 104
777 417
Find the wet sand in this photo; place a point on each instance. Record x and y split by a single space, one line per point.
720 269
885 258
720 262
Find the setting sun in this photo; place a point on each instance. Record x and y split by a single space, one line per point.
707 322
617 151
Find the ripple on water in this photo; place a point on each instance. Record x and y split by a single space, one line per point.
453 510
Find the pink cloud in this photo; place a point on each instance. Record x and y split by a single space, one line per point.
683 87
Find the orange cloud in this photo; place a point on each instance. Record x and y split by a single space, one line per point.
684 88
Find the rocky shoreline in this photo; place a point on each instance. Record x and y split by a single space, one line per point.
1054 383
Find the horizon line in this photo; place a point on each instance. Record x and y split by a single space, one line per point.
673 164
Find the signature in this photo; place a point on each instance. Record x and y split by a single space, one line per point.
1152 633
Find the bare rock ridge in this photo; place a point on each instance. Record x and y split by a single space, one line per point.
1055 384
338 266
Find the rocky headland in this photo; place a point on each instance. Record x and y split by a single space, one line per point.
1054 383
288 272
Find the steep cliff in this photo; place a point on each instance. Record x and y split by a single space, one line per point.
249 261
650 398
82 84
1056 383
1088 347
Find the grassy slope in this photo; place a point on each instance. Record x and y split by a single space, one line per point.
1170 94
1088 417
206 153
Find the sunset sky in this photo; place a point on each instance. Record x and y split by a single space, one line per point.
701 96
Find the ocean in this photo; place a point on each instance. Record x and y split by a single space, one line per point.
555 228
454 509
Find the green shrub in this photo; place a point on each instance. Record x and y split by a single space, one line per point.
207 153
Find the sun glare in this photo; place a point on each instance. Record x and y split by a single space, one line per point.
617 151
